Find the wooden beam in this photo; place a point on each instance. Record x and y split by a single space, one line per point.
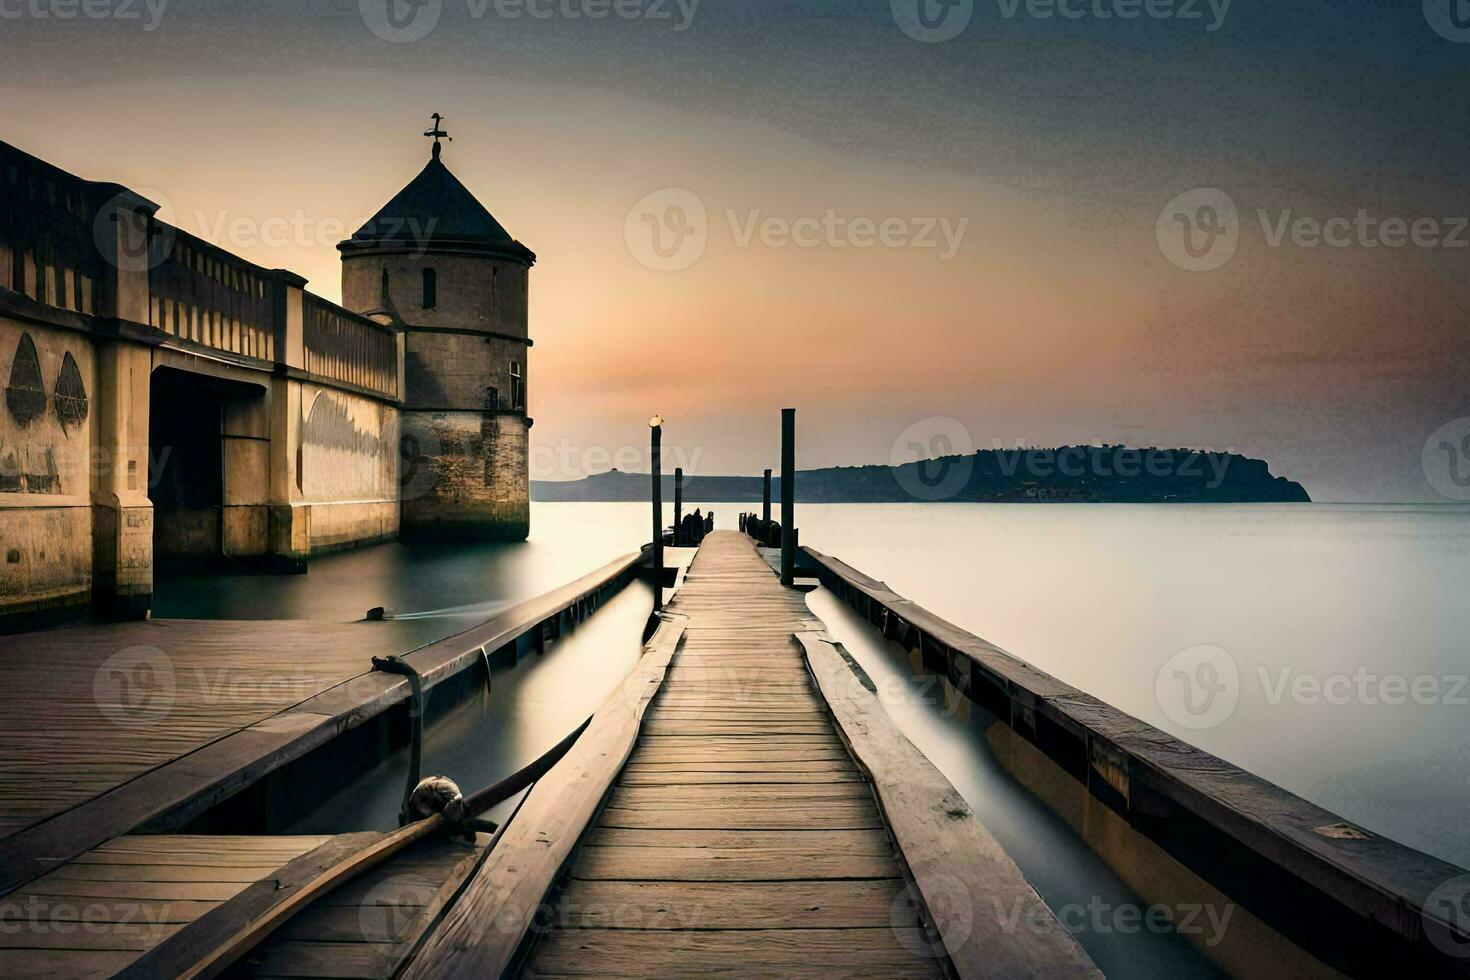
485 928
979 903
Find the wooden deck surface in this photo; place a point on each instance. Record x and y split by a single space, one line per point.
96 915
88 708
370 926
740 838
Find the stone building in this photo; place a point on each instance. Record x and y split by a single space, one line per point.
162 399
435 265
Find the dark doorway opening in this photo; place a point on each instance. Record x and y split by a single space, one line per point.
186 467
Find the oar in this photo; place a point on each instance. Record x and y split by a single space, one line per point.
252 934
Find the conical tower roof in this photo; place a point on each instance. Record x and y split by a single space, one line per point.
436 213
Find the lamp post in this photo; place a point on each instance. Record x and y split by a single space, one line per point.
656 429
788 496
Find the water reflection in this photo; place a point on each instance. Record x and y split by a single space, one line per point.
532 706
442 588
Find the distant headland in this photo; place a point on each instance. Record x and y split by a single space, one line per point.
1067 474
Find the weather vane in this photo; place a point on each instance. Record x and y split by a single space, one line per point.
438 132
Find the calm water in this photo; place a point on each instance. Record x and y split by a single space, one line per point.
1330 614
443 588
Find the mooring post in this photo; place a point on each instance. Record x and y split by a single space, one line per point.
766 508
656 427
788 496
678 503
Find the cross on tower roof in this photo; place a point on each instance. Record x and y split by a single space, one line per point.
438 132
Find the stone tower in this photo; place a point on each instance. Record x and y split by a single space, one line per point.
435 264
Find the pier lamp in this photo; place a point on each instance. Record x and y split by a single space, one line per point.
656 429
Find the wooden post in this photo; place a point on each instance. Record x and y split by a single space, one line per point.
788 496
678 503
766 508
656 427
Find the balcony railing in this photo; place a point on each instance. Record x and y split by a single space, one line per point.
349 348
48 247
203 294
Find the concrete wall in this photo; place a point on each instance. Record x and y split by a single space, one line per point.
45 485
349 448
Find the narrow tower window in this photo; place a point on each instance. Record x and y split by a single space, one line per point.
431 289
517 388
384 289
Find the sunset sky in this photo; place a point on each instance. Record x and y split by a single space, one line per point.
1054 144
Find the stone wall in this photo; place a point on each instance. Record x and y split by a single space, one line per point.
474 293
466 474
47 440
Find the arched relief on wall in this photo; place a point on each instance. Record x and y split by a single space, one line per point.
70 395
338 455
25 395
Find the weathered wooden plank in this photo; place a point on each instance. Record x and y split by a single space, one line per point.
786 862
839 816
748 777
756 795
880 952
216 939
968 883
850 841
728 904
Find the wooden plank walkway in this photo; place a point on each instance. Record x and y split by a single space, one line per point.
740 838
100 913
105 729
88 708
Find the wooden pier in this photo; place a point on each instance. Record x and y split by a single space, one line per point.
743 807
